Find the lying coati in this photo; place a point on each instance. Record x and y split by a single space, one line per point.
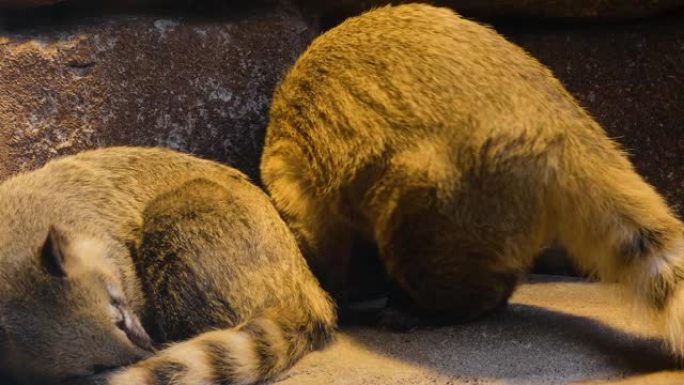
109 254
459 156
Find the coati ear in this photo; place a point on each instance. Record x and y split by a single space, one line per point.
53 252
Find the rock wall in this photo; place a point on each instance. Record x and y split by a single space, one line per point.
197 85
631 78
202 83
563 9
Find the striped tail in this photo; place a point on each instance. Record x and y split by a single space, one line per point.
618 227
252 352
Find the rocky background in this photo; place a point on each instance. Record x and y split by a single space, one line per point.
200 85
197 76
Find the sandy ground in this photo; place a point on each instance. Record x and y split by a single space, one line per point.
555 331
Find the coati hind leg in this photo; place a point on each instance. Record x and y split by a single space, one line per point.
453 245
325 240
443 276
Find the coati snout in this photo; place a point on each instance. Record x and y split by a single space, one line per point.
63 317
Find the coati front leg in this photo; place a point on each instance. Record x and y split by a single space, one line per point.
455 237
445 273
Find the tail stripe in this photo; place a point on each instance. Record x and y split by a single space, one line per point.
223 363
640 244
167 372
265 349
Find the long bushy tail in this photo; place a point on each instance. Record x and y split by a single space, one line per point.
252 352
618 227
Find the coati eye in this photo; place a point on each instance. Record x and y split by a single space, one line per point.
130 325
119 313
119 318
118 307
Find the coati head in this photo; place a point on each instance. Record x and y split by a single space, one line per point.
63 312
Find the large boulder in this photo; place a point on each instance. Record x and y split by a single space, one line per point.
631 78
199 85
564 9
556 9
13 4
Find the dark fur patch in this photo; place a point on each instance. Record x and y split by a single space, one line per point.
321 335
661 289
267 357
643 241
51 254
660 292
223 363
166 372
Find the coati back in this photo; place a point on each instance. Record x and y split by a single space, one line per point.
459 156
101 250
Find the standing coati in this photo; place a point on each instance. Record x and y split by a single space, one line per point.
107 254
459 156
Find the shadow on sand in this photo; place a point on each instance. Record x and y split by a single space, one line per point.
523 344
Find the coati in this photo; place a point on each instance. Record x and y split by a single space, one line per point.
108 255
459 156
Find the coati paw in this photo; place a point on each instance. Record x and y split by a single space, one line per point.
403 319
391 318
397 320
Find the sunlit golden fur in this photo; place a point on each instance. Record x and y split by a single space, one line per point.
107 255
460 156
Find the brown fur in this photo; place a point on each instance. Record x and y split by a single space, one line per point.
460 156
102 250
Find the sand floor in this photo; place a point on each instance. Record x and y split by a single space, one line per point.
555 331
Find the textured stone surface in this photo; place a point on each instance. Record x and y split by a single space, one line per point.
200 85
569 9
565 9
554 332
26 3
631 78
75 6
557 9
